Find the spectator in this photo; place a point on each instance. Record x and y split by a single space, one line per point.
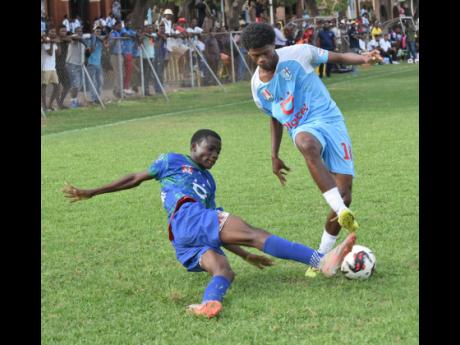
148 56
386 49
280 40
410 41
353 36
127 51
66 23
212 54
365 20
96 45
377 29
161 55
241 70
116 8
43 24
61 55
201 11
109 22
290 31
252 11
136 56
74 63
326 40
260 9
116 57
374 43
48 68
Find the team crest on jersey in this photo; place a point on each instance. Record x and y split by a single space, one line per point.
286 74
187 169
267 95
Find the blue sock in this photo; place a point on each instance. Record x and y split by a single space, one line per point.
216 289
284 249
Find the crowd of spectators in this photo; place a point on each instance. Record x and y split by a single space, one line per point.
76 50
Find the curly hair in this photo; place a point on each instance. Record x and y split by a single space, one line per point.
202 134
257 35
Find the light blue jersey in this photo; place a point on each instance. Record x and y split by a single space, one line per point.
297 98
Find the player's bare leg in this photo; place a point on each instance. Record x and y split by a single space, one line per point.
332 260
219 268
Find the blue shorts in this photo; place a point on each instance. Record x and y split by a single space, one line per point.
196 230
336 152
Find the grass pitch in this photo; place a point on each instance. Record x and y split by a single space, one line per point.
109 274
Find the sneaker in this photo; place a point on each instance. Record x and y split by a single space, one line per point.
410 61
395 62
312 272
128 92
332 260
209 309
346 219
416 61
73 104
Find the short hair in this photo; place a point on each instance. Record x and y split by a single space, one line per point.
203 134
257 35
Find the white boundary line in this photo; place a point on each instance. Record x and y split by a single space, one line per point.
331 86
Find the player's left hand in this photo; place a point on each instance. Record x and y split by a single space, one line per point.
372 57
260 261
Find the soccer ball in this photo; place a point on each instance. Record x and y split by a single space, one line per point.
359 263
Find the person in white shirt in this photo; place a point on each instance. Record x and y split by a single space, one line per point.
280 40
386 49
66 23
48 68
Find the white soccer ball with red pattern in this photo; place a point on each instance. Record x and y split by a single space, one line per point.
359 263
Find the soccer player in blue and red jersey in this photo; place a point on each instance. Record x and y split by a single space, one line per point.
198 230
286 88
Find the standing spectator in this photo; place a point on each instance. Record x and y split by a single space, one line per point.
259 11
410 42
116 57
290 33
353 36
43 24
148 55
127 50
109 22
72 25
212 54
116 9
201 11
252 11
161 55
96 45
61 55
48 68
326 40
136 56
74 62
280 40
66 23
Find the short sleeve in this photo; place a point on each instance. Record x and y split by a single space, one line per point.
317 55
158 168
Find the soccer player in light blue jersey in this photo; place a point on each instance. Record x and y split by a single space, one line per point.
286 87
198 230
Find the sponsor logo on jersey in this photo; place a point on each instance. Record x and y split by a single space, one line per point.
287 106
296 118
187 169
267 95
286 73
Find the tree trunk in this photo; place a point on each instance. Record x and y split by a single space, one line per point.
139 12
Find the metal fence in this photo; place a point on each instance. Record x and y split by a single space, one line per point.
215 60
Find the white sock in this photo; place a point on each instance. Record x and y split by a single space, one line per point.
327 242
334 199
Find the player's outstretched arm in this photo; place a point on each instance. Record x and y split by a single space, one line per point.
260 261
371 57
126 182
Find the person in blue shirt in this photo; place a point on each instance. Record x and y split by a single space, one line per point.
96 45
198 229
116 57
127 45
285 87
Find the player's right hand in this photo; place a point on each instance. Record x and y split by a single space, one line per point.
75 194
278 169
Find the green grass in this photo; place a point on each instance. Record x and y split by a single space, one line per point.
109 274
